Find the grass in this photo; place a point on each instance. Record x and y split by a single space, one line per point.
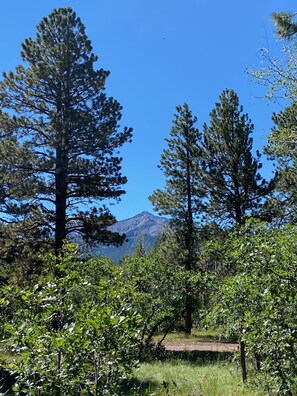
192 374
181 378
187 373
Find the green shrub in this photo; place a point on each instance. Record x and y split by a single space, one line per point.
75 334
260 302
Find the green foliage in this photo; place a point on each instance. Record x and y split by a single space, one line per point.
158 295
282 148
161 293
60 136
232 180
183 192
180 165
212 248
278 74
259 302
75 335
286 27
20 253
182 196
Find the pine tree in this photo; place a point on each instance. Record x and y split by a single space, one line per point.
286 27
181 198
282 142
60 136
282 148
234 186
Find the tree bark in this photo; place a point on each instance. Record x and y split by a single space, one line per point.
61 198
189 248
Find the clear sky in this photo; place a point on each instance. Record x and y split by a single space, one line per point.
162 53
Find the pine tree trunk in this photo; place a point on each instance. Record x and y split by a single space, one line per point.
61 195
238 205
189 247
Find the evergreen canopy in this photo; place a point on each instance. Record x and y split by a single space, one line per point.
232 180
60 135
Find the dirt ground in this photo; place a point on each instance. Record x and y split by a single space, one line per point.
200 346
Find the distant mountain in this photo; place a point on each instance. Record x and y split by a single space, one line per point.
143 227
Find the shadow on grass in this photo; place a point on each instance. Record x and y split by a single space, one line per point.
197 358
202 336
134 386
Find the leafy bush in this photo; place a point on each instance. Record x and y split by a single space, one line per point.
75 334
160 292
157 298
260 302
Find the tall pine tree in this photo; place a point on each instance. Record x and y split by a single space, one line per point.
181 198
232 181
59 152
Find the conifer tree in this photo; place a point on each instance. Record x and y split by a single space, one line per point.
60 136
282 148
232 181
286 26
181 198
280 77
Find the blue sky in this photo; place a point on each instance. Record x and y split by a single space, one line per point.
162 53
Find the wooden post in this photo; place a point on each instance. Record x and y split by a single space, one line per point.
243 361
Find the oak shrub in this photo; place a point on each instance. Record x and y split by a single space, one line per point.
259 302
75 334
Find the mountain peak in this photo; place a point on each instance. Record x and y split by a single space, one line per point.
143 214
144 222
143 225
